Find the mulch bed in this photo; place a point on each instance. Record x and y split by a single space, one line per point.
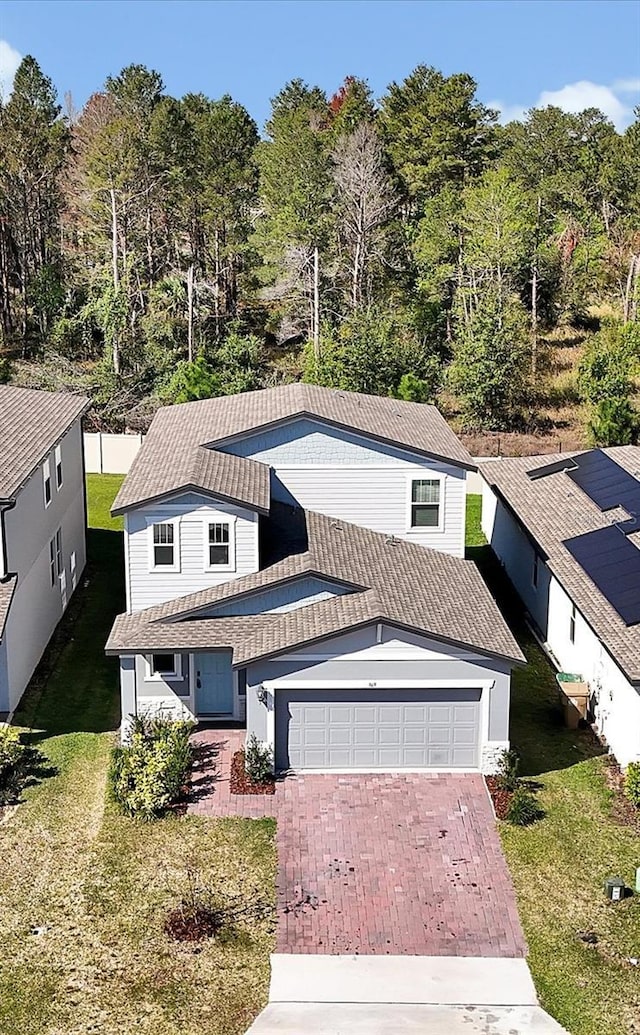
501 799
241 782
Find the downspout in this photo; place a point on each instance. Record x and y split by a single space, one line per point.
5 505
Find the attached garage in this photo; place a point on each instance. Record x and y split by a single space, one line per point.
377 729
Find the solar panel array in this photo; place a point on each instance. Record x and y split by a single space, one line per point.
612 562
605 482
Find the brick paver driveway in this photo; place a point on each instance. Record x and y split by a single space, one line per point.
398 864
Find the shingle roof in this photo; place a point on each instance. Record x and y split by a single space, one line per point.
31 422
553 509
6 595
402 583
177 431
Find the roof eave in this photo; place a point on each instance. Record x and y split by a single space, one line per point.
118 511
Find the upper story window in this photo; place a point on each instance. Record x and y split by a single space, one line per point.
164 546
220 544
46 480
572 624
426 503
58 460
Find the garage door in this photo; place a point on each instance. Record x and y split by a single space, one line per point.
384 729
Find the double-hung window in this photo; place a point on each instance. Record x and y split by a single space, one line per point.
46 480
52 560
220 546
56 558
572 624
59 556
164 545
426 502
58 461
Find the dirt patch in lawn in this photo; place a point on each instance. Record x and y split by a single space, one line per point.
241 782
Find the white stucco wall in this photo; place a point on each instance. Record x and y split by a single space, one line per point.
615 701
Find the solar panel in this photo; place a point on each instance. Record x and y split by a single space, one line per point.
612 563
555 468
605 482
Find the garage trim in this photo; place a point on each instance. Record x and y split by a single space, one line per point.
271 686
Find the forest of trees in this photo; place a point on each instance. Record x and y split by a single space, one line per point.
155 249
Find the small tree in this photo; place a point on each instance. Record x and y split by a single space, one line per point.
605 381
614 422
490 367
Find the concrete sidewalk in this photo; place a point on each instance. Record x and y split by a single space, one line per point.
386 995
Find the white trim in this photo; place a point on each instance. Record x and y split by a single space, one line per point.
57 463
432 476
127 562
175 567
373 653
432 769
377 684
46 477
176 676
227 519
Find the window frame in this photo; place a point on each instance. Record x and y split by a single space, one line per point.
52 561
47 486
57 463
230 522
59 552
427 476
153 676
572 624
175 524
535 570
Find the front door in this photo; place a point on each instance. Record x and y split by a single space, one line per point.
214 683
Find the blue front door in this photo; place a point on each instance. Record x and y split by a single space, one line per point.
214 684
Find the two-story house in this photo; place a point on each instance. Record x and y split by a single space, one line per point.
42 525
294 559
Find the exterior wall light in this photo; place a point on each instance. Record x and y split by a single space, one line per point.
262 695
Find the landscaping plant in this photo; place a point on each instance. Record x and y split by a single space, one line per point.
258 760
508 768
632 783
523 808
149 773
15 763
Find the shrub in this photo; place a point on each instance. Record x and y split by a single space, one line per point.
632 783
14 764
614 422
523 808
508 766
148 774
258 760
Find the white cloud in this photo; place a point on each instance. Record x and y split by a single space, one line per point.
9 62
575 97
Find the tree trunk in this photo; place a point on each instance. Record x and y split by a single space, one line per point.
316 304
631 290
190 311
115 350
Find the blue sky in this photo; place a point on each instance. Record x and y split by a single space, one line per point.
576 54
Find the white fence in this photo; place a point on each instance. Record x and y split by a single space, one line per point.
114 454
110 454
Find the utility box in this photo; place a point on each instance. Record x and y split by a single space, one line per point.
614 888
574 697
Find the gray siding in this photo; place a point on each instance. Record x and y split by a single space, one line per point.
37 606
352 477
147 587
288 597
4 683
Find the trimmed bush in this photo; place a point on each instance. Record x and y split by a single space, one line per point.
523 808
149 773
632 783
258 760
15 759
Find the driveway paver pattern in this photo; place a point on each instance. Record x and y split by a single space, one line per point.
377 863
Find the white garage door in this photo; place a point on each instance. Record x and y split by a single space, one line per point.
377 729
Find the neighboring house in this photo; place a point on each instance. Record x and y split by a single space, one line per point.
42 525
565 529
253 595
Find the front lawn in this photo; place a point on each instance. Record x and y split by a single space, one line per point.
84 892
559 865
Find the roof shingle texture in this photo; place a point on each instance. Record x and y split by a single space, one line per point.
399 582
553 508
168 460
31 422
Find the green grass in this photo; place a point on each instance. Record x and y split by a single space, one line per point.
559 865
101 492
100 885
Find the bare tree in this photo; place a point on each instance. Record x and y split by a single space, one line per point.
366 202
